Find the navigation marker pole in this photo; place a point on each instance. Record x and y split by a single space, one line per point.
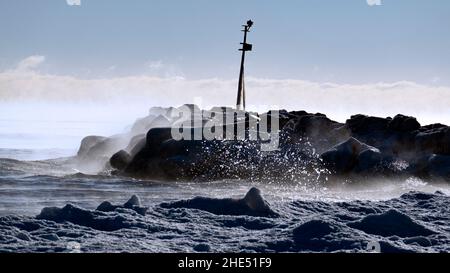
240 102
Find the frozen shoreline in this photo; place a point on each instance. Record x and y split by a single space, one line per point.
414 222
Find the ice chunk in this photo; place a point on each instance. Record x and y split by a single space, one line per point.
389 223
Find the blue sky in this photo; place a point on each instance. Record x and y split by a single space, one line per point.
324 41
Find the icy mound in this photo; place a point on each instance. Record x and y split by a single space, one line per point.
389 223
414 222
105 218
134 204
325 236
252 204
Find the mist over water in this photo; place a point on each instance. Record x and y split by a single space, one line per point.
36 129
40 111
49 115
82 170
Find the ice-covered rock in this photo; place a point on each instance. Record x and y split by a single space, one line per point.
389 223
105 217
252 204
312 229
133 203
93 219
305 226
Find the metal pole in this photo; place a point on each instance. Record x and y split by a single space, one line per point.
240 103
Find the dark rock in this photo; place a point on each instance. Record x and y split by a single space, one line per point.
282 118
367 160
156 136
202 248
120 160
363 145
314 126
439 166
362 124
104 218
351 155
417 196
432 127
136 144
93 219
371 130
435 140
252 204
315 130
403 124
106 207
133 201
256 202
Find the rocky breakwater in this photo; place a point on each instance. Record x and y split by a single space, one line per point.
193 144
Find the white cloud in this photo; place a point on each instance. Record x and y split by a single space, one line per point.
435 79
30 63
73 2
155 65
429 103
373 2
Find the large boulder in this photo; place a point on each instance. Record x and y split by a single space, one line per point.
362 124
394 137
149 161
253 204
87 143
133 203
439 166
282 117
136 144
435 140
95 152
142 125
106 147
403 123
156 136
316 130
364 144
351 156
120 160
391 223
314 126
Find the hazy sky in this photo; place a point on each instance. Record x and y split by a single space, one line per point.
67 66
323 41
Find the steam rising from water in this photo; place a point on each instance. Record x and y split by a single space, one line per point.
428 103
68 107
